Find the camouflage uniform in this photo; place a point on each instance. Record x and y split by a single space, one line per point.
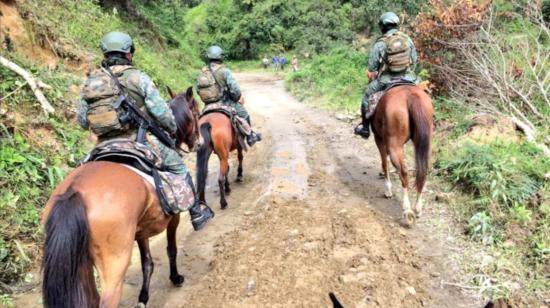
231 89
147 97
385 78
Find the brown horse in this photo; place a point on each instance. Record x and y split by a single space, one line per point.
404 113
219 136
92 219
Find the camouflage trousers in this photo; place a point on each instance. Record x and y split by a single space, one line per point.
241 112
373 87
171 159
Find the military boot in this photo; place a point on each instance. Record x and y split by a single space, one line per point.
363 128
253 138
200 215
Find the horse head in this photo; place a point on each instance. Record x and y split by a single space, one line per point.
186 120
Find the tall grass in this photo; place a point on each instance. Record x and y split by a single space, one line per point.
335 80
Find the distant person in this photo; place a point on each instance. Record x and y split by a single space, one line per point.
294 63
265 62
282 60
275 60
227 88
385 67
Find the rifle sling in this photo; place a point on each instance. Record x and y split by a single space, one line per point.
220 88
143 125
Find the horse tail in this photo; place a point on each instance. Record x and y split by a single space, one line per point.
421 132
203 155
67 264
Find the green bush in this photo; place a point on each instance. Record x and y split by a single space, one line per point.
336 80
503 172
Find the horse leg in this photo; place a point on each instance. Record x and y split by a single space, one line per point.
240 168
418 204
172 250
384 156
222 178
398 160
112 264
147 267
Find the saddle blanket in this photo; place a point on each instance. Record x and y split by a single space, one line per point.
240 125
173 191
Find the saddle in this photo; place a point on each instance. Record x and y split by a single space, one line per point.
173 191
374 99
240 125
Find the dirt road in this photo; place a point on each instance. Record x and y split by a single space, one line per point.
309 219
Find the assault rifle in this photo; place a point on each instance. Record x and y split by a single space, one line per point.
133 115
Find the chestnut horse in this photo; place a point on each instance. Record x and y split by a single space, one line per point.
404 113
92 219
219 136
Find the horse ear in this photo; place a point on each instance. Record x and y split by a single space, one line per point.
171 92
189 93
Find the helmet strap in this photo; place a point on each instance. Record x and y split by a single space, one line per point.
115 58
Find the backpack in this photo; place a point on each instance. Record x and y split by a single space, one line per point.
209 89
101 94
397 56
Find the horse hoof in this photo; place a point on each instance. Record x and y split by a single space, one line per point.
388 195
228 192
239 179
409 218
177 280
223 206
417 213
140 305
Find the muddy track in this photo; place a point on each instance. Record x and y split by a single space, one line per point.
309 219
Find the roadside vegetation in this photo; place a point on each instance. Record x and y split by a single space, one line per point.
57 42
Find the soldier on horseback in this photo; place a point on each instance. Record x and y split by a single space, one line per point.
216 84
97 111
392 60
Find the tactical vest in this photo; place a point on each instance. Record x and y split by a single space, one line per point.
397 54
212 88
101 93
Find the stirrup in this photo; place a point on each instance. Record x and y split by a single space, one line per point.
201 221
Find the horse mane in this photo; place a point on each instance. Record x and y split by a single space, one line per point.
182 115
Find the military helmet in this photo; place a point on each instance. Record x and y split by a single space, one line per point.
117 41
214 53
388 19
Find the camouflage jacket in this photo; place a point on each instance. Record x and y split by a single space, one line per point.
375 62
232 91
140 86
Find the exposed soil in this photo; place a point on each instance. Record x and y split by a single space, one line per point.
13 25
309 219
40 50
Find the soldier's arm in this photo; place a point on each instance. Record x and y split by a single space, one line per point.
414 55
156 106
234 90
375 56
81 113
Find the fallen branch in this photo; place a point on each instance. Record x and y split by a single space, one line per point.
466 287
530 135
46 106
